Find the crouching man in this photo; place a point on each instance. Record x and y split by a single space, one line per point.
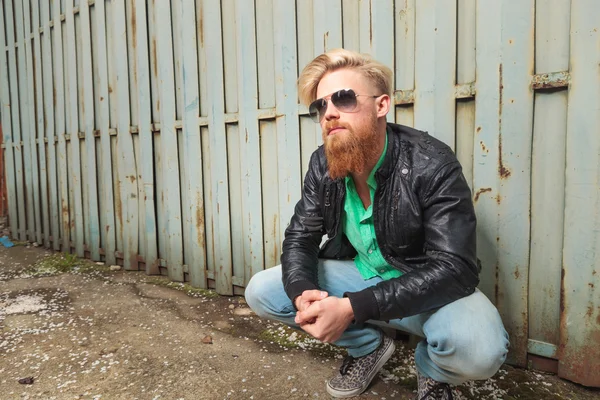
401 241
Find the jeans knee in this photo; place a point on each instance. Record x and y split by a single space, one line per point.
253 291
485 361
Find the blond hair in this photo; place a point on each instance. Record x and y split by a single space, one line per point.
380 75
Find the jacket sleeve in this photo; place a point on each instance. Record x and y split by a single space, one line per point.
299 258
449 271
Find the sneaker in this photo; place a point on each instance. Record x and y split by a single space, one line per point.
356 373
433 390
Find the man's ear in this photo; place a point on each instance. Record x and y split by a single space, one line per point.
383 105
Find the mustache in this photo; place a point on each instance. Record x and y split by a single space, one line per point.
334 124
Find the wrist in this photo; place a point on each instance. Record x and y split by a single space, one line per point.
348 310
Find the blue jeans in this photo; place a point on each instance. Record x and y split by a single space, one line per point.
464 340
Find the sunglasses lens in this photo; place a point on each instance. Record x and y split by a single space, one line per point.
344 100
316 109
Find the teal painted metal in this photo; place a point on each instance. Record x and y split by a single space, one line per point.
21 222
60 131
92 216
73 130
106 188
580 300
128 176
34 191
25 115
465 75
48 77
146 138
288 128
44 225
249 141
548 175
194 242
168 142
224 144
5 114
435 68
219 188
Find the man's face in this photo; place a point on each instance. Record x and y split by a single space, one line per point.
350 138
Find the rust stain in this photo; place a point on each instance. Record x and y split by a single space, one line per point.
200 225
134 24
370 23
154 57
590 311
517 273
498 199
562 291
132 178
502 170
110 90
325 37
483 147
591 285
510 41
480 192
107 228
218 208
497 287
201 24
101 98
478 129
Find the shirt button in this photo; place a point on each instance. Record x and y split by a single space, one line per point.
381 271
370 251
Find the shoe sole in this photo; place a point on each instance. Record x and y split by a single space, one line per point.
340 394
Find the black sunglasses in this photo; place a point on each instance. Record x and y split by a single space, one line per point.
344 100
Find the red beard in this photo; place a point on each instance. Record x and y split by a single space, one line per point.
350 151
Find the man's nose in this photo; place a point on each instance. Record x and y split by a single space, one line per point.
331 112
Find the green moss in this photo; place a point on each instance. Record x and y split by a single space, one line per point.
60 263
184 287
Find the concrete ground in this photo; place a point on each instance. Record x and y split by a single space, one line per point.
82 331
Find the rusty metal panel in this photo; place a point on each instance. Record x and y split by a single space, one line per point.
60 115
580 297
6 128
194 225
249 141
23 48
288 127
49 125
73 130
218 148
144 107
168 142
404 50
502 161
327 17
264 48
21 221
108 227
270 183
548 177
92 216
34 194
39 95
465 74
435 64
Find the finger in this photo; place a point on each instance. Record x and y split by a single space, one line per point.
313 295
310 313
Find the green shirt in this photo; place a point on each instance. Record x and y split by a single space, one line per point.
360 230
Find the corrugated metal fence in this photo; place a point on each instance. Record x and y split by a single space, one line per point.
167 136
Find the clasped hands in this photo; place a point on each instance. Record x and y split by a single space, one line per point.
323 317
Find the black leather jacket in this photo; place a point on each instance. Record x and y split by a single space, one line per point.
424 222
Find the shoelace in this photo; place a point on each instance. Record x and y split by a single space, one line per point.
439 388
346 365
